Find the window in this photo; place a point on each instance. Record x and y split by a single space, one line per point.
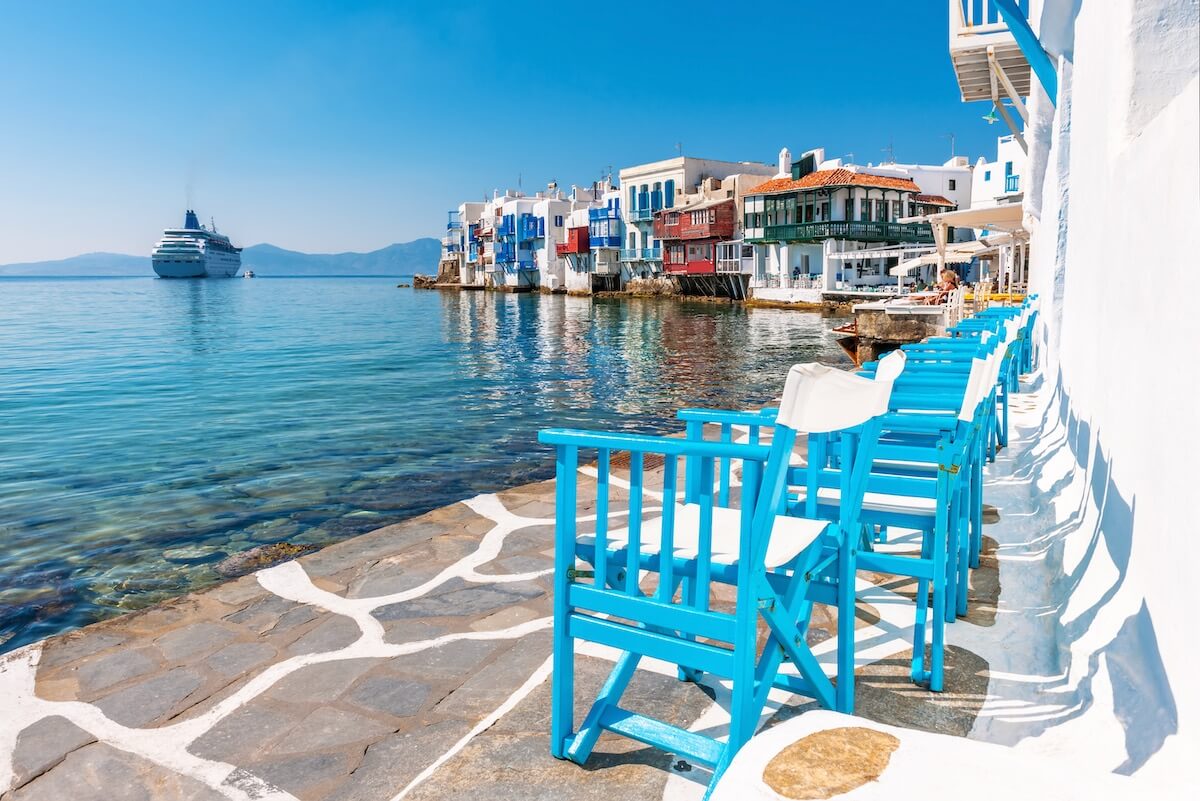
558 221
849 209
987 175
632 240
953 184
1007 168
669 190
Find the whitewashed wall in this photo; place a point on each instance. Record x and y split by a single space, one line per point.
1116 185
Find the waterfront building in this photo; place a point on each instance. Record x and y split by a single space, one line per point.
815 210
606 233
705 225
999 181
648 189
585 270
457 265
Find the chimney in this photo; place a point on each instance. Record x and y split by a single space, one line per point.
785 163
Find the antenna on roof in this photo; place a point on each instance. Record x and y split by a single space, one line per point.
679 148
891 151
950 136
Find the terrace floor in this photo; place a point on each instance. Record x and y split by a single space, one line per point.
413 662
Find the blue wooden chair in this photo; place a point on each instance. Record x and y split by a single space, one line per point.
926 476
778 563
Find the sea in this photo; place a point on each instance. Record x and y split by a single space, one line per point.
151 428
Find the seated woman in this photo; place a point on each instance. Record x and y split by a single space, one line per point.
948 283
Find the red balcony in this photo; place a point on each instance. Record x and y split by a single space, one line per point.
577 242
710 221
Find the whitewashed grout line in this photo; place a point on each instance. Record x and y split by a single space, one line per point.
167 745
24 708
534 680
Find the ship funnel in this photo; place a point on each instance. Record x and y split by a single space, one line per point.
190 222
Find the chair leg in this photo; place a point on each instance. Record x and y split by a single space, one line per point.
562 684
938 615
610 694
976 510
683 672
917 673
963 559
953 548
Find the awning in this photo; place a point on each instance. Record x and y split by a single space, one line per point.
956 253
1006 217
906 267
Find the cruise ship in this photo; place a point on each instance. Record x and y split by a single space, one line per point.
194 251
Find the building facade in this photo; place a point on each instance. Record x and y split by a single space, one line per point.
806 221
659 186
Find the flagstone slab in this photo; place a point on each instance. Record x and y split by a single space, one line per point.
198 639
389 695
241 737
239 658
512 758
43 745
155 699
99 772
324 681
458 598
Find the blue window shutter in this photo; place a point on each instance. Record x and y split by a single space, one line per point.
669 192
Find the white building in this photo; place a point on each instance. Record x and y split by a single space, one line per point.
999 181
822 225
649 188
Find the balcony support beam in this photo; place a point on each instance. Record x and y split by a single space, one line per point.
1035 54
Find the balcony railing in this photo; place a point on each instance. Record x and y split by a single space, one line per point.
641 254
857 231
612 212
604 242
530 227
1012 183
642 214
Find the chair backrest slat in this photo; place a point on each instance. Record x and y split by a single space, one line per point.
704 544
726 464
666 577
602 488
633 552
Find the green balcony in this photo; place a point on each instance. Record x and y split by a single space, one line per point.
857 231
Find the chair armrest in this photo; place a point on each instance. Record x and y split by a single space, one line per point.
642 443
766 417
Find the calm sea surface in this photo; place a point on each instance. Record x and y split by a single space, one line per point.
149 428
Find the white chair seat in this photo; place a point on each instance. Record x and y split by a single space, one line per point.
876 501
789 536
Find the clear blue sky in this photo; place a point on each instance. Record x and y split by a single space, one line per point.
331 126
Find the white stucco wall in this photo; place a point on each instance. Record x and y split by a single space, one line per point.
1118 195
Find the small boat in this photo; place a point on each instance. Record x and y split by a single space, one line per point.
248 274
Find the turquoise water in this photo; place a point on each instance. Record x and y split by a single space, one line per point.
148 428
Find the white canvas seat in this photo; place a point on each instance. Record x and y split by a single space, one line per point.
876 501
789 535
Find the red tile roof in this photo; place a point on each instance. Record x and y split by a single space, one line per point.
835 177
933 200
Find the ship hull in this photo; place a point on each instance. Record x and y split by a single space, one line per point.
211 266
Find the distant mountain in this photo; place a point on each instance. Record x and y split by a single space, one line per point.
420 255
87 264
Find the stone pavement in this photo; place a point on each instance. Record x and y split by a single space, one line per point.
410 662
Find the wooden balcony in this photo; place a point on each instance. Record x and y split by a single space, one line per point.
855 231
577 242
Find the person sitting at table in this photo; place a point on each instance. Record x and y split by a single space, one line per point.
947 284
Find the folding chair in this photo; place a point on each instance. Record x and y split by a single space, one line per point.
778 563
